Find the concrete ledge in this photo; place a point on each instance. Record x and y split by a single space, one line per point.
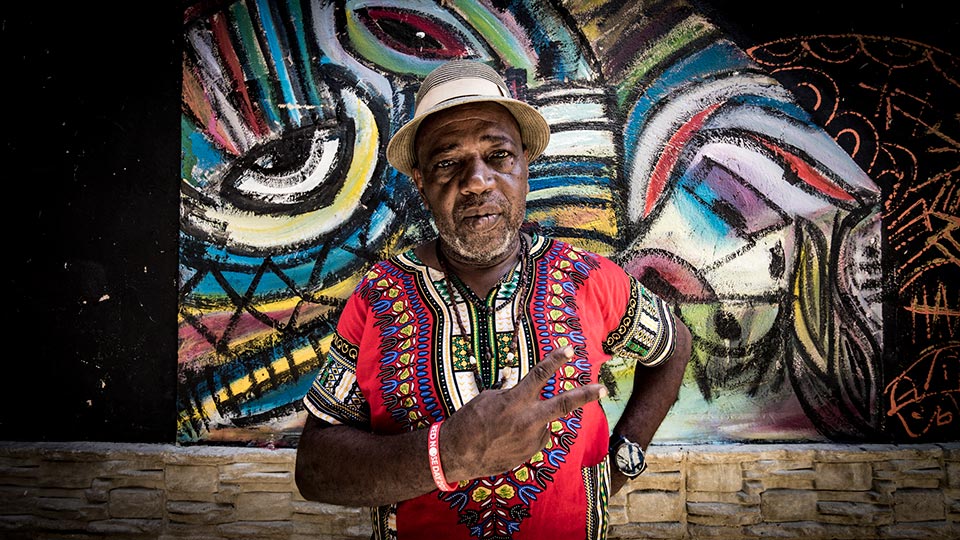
84 490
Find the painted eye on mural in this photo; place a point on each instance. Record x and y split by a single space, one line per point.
733 200
411 33
410 38
293 174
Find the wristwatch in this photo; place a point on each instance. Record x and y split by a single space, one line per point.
628 456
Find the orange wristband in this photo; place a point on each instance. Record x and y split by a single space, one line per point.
433 451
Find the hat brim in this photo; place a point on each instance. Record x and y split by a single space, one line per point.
534 130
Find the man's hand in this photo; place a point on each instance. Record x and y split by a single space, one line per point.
493 433
500 429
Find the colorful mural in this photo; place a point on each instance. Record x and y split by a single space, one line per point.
673 152
900 136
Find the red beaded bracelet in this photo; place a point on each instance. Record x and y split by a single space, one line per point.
433 450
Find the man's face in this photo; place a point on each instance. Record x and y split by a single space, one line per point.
472 175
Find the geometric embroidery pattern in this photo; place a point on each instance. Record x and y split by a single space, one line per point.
646 331
335 395
494 507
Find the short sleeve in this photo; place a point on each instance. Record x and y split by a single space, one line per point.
335 395
646 332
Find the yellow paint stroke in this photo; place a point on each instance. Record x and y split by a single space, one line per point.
280 366
264 231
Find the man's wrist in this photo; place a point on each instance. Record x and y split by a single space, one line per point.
436 466
627 456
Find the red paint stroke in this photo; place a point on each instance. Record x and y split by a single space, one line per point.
671 154
196 98
221 34
808 174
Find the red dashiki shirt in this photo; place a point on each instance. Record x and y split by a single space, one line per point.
398 362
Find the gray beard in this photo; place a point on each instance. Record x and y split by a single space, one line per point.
464 253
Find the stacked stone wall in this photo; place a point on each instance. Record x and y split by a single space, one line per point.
107 490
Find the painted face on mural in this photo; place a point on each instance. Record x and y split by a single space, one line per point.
741 236
472 176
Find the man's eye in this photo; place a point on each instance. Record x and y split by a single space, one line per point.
500 154
444 164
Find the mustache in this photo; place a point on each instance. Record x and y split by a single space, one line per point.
474 200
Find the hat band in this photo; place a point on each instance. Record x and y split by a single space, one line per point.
470 86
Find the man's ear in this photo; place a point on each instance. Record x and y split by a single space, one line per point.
417 179
418 182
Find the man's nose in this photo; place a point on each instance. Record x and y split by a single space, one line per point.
477 176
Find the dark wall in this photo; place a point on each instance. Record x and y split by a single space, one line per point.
91 144
750 22
92 135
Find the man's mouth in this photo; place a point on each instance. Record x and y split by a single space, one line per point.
480 221
480 217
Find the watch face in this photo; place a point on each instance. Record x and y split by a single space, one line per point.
630 458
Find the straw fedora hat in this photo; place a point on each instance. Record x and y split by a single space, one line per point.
455 83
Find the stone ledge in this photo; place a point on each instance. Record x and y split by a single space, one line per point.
168 491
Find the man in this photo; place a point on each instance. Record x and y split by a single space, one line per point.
460 395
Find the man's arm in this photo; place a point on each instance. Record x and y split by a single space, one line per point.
654 392
494 432
345 465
